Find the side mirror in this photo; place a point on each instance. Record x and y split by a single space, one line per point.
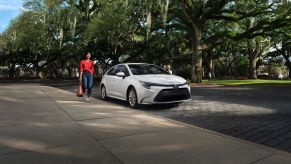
120 74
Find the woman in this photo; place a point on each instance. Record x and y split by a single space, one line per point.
86 75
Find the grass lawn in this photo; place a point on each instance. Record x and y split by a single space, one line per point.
248 82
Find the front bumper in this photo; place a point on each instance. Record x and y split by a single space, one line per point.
164 95
168 95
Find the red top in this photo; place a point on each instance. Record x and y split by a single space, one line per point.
87 66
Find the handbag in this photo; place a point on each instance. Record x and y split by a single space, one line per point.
80 90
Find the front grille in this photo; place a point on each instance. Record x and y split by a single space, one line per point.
166 95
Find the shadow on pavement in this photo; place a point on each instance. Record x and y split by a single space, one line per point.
261 114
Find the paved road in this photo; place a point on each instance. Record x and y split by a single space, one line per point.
261 114
44 124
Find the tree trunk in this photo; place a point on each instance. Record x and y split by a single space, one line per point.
254 54
12 71
149 24
196 71
253 67
288 64
210 70
39 73
70 70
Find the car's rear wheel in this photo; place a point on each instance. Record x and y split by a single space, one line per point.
103 93
132 98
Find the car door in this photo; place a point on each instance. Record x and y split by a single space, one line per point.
120 84
109 79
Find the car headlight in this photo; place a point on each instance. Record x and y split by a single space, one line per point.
147 85
186 84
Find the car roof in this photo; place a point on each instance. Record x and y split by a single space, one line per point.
135 63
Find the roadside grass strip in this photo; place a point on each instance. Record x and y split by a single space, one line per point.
247 82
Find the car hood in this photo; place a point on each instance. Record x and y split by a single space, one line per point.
161 79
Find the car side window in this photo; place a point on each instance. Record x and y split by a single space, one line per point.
112 71
119 68
124 70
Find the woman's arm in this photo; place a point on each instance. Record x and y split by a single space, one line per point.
81 73
92 67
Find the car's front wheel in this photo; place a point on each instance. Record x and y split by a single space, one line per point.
103 93
132 98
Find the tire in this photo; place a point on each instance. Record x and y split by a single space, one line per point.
132 98
103 93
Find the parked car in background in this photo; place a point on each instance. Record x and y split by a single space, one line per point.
140 83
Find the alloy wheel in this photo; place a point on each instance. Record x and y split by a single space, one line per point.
103 93
132 98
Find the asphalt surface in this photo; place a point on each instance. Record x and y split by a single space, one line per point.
47 123
260 114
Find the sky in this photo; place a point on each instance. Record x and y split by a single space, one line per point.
9 9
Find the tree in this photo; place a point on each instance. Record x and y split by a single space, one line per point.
196 15
266 15
283 48
51 35
258 21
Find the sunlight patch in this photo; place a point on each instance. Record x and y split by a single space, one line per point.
69 102
21 144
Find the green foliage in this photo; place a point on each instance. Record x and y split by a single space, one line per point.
54 35
249 82
241 66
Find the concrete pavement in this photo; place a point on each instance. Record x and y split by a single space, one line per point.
44 124
260 114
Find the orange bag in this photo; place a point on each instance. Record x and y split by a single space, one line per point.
80 90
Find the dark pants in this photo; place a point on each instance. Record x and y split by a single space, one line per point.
87 81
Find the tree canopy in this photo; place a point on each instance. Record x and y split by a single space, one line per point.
194 38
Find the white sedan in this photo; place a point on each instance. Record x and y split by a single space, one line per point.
140 83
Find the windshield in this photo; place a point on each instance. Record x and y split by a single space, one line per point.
144 69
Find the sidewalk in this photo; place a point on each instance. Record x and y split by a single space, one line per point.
45 125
